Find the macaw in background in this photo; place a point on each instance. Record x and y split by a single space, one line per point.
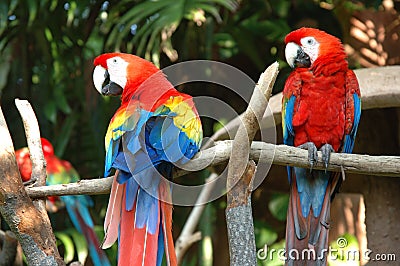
62 172
321 111
154 128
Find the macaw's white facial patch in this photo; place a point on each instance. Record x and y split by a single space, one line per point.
117 69
311 47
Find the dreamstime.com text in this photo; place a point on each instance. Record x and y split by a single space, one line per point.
332 254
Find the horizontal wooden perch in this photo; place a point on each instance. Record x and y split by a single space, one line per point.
260 151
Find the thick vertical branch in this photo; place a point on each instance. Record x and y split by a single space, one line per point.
17 209
239 219
242 247
32 133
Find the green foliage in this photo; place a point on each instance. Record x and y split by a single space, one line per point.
70 240
278 205
259 26
265 234
147 27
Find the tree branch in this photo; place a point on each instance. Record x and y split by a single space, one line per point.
32 134
25 221
95 186
239 217
239 220
260 152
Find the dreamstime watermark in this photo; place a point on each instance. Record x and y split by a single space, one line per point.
342 252
222 76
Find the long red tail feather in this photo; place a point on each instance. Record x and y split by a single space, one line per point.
113 215
166 209
308 236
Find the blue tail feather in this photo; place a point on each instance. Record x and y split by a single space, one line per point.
80 203
78 211
311 188
147 213
161 247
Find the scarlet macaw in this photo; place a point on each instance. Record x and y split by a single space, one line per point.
155 127
61 172
321 111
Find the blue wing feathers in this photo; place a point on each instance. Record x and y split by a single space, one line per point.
288 133
350 138
357 112
155 138
110 156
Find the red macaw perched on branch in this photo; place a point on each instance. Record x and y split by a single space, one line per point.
62 172
321 111
155 127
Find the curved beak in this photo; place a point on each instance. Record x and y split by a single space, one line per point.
296 57
102 83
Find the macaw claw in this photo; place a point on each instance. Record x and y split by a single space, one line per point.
312 153
326 151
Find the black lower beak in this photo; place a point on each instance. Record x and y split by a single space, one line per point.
302 59
111 89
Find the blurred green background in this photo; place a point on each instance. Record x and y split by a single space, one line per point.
46 53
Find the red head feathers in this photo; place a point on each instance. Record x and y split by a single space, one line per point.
122 74
308 47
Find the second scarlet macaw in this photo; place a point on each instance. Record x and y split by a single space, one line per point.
61 172
154 128
321 111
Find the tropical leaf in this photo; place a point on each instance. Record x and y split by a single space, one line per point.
65 240
80 243
278 205
155 22
264 233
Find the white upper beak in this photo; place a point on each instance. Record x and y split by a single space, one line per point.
291 51
99 76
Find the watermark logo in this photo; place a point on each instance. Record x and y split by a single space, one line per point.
341 252
341 242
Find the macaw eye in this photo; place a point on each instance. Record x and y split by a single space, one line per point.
309 41
115 61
